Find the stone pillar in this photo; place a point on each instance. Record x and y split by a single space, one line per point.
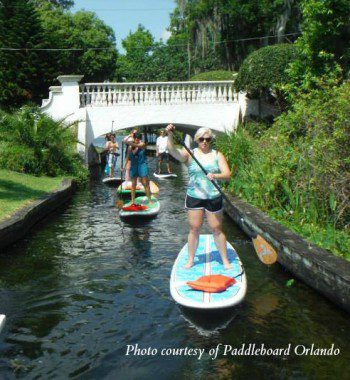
63 100
70 90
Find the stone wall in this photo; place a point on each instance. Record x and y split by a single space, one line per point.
19 224
320 269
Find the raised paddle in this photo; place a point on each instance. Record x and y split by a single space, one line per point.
264 250
120 202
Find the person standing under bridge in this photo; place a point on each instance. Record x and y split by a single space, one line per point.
162 151
112 155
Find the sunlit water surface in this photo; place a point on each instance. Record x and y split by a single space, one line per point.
84 285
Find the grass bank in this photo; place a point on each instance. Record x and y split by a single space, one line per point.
18 190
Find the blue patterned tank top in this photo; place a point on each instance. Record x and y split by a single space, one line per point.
199 186
138 158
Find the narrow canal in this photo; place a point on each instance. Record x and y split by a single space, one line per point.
84 285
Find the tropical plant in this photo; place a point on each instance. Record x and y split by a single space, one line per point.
32 142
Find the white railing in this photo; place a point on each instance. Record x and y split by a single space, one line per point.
155 93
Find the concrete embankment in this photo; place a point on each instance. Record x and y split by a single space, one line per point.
317 267
19 224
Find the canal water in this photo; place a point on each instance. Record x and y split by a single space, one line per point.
84 288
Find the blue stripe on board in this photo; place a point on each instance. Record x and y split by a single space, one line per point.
198 270
218 268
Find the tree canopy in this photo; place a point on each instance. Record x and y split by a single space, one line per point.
324 44
22 71
86 45
134 65
265 71
82 30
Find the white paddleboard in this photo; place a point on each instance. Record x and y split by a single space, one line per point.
152 210
112 180
165 175
207 261
2 321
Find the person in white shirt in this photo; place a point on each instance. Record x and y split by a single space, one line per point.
162 151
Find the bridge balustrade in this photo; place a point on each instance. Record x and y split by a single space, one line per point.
153 93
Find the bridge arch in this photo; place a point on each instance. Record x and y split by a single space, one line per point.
188 105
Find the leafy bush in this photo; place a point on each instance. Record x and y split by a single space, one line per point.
214 76
264 71
33 143
299 170
324 47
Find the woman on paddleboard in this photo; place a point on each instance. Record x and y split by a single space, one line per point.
129 137
202 198
138 165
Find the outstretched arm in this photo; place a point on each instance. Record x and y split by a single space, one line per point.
179 154
140 145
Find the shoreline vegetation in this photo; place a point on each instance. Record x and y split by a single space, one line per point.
297 168
17 190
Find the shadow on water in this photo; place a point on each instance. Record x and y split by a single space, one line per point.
208 322
84 284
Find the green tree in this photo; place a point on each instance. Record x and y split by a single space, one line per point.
263 72
170 60
134 65
65 4
324 44
213 26
22 72
82 30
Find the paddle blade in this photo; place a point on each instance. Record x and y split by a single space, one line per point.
264 250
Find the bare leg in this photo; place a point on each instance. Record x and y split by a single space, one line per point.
133 189
127 171
195 220
215 222
145 183
168 167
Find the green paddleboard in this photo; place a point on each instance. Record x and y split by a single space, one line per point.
152 209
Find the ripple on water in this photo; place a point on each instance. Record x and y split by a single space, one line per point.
84 285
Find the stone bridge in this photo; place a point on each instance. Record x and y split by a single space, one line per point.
99 106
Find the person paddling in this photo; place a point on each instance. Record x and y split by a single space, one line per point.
111 147
138 166
202 198
126 168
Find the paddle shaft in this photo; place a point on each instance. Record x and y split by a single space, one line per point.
121 172
252 234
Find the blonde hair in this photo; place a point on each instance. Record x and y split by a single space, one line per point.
203 131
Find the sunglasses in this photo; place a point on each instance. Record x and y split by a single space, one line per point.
207 139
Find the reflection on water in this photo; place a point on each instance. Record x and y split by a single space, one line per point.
85 285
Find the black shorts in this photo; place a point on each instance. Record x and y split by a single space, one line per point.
211 205
163 157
